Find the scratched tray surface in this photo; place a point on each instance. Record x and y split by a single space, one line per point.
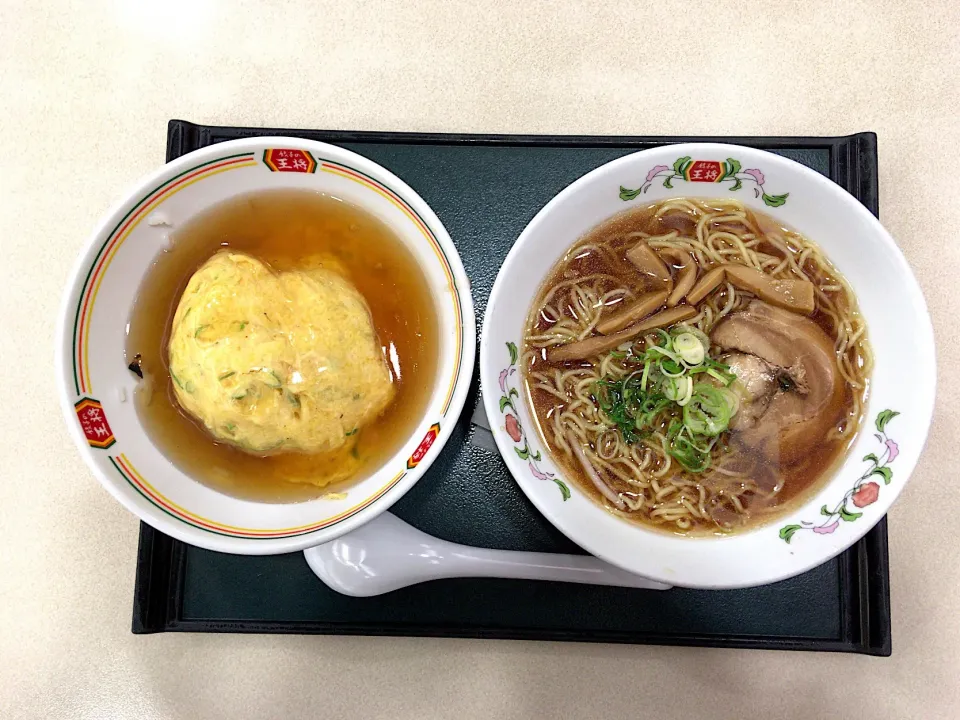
485 189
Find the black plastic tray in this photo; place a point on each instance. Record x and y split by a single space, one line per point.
485 188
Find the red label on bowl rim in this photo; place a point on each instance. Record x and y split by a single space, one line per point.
94 423
424 446
704 171
289 160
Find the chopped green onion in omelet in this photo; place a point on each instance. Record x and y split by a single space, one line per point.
272 362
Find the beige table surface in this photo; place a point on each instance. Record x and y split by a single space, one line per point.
86 89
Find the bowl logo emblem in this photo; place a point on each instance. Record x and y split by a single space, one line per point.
704 171
424 446
94 423
289 160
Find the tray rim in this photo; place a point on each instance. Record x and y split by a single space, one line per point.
864 568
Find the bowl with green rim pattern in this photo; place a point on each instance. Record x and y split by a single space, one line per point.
852 496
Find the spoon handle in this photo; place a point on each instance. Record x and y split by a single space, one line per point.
522 565
386 554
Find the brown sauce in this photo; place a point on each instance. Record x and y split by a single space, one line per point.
281 228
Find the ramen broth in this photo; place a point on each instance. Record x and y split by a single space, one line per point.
742 485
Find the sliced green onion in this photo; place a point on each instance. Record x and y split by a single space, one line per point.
733 400
671 369
689 348
664 400
725 378
709 411
666 352
689 456
687 391
704 448
722 367
696 332
670 389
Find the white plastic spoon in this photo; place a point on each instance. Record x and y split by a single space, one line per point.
387 554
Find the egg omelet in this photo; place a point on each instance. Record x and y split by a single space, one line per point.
277 361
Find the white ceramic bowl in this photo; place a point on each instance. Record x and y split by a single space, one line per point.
96 389
903 382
